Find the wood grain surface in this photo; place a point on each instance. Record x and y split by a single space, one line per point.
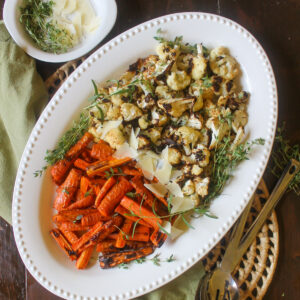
275 23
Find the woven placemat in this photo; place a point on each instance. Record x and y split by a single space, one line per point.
256 269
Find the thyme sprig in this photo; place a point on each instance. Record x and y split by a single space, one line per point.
37 18
283 152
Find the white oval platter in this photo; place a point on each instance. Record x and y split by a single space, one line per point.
33 197
106 10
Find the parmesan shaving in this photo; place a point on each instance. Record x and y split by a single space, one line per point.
181 204
157 189
164 172
146 164
174 189
175 233
167 226
133 142
125 151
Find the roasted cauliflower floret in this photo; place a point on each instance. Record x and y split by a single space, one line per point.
202 155
199 67
178 80
201 186
218 129
188 136
240 119
146 102
238 138
174 156
195 121
154 134
114 113
196 170
222 63
130 111
95 112
184 62
176 107
163 92
143 142
115 138
159 118
126 78
188 188
221 86
143 122
166 52
116 99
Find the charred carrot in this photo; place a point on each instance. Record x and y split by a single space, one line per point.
63 243
84 184
105 188
131 171
84 258
67 190
142 190
141 212
124 234
162 200
84 202
106 165
158 238
108 246
72 215
113 197
92 219
101 151
71 226
113 259
141 234
126 214
81 164
70 236
98 232
86 155
79 146
60 170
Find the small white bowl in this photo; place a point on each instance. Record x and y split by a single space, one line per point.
105 9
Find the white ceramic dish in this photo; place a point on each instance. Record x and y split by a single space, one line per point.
106 10
32 201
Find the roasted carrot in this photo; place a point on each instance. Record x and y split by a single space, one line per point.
101 151
158 238
79 146
84 202
99 232
105 188
108 246
86 155
142 190
96 189
113 197
141 234
98 181
81 164
60 169
71 215
106 165
84 184
63 243
162 200
84 258
92 219
67 190
113 236
132 171
71 226
70 236
113 259
126 214
124 233
141 212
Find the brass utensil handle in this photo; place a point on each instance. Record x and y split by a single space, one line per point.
290 171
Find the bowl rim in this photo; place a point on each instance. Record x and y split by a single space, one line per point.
15 29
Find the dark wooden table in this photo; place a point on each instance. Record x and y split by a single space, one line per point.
275 23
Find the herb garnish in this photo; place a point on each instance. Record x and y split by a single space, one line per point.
36 16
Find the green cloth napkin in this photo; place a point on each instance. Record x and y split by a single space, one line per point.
22 97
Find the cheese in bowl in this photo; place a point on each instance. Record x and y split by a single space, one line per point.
58 26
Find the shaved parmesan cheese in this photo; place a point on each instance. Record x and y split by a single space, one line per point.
86 10
163 172
146 164
166 226
174 189
157 189
175 232
59 6
175 174
181 204
125 151
70 6
104 128
133 142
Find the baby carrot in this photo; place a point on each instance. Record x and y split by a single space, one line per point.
141 212
105 188
101 151
84 202
81 164
92 219
124 234
84 258
158 238
70 236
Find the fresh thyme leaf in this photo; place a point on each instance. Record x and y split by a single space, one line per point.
140 260
171 258
68 140
39 173
95 87
163 230
169 200
101 113
66 191
134 226
156 260
186 222
37 18
283 152
131 194
78 218
88 193
206 82
205 51
123 233
123 266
